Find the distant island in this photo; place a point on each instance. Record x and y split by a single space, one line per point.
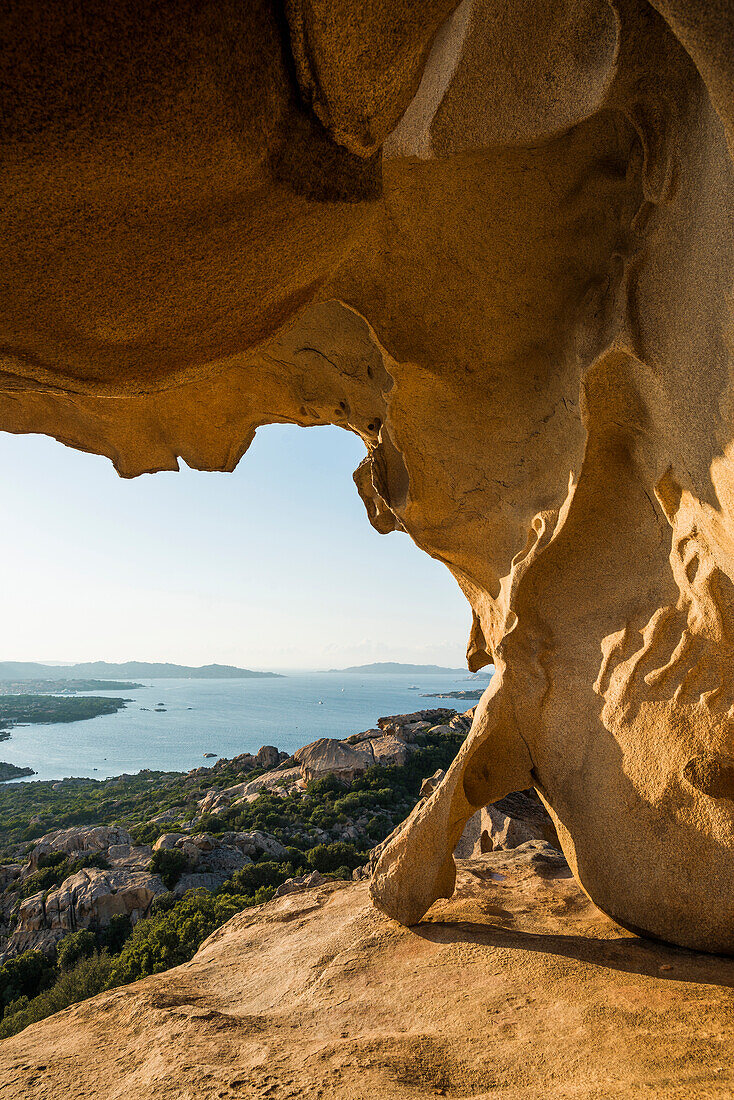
475 693
102 670
63 687
394 666
30 709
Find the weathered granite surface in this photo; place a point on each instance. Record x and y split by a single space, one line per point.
495 241
517 988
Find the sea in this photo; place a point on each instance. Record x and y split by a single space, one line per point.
224 717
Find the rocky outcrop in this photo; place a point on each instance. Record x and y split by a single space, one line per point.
406 726
268 756
302 882
213 860
391 743
88 899
285 779
518 987
81 840
429 785
350 758
202 849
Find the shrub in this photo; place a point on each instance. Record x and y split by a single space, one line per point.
170 864
89 976
45 879
51 859
148 832
162 903
24 976
317 788
169 938
117 932
210 823
342 872
54 867
257 875
95 859
331 857
75 946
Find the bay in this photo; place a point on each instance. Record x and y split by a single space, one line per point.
226 717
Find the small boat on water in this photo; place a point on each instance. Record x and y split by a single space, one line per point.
320 703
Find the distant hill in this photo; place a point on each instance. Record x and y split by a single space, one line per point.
101 670
394 666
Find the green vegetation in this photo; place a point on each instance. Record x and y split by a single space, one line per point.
55 867
170 864
54 708
56 989
309 826
28 810
76 946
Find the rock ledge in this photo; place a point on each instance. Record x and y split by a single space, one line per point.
518 988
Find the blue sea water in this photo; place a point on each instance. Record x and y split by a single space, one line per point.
226 717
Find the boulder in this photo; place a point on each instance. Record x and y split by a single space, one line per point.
210 855
168 840
367 735
203 842
225 854
132 858
196 880
223 860
461 723
282 779
328 756
517 819
385 750
9 872
263 844
401 724
267 757
303 882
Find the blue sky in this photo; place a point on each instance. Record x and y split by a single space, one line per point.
273 566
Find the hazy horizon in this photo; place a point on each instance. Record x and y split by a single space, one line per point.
272 567
260 668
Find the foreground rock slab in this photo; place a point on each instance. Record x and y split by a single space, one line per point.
518 988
